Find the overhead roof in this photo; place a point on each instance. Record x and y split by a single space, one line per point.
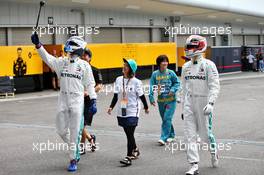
225 11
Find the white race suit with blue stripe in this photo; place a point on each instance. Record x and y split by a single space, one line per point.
75 77
200 86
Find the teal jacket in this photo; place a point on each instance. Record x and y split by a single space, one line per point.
167 81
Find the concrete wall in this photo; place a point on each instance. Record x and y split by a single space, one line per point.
14 15
24 14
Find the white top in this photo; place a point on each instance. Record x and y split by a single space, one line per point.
133 88
250 58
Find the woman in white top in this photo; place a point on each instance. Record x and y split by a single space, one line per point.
128 92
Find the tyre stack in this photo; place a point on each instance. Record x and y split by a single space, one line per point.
6 87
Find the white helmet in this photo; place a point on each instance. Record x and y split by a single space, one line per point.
195 45
75 45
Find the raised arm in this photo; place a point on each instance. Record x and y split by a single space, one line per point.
50 60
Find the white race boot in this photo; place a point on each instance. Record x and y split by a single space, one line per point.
214 160
193 170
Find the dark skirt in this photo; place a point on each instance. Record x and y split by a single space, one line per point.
127 121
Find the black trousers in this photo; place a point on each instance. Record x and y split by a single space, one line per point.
250 66
131 143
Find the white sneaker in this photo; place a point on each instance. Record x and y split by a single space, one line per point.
193 170
169 140
214 160
161 142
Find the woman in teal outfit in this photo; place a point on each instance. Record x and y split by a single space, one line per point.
166 83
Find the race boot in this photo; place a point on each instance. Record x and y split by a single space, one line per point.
193 169
214 160
73 166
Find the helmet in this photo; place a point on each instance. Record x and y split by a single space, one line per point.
132 64
195 45
75 45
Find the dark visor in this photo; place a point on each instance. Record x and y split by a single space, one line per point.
191 46
71 43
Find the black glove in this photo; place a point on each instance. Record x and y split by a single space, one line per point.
182 117
35 39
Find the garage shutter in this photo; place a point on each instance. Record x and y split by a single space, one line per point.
21 36
137 35
61 38
3 36
252 39
156 35
107 35
237 40
181 40
210 40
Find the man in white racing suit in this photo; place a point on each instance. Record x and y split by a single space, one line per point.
200 88
75 77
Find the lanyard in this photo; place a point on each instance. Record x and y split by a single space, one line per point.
125 87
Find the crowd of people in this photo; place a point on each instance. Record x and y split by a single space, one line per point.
79 82
254 63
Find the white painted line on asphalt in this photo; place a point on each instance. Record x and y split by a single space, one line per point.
35 96
16 125
148 136
40 96
31 97
119 133
241 78
230 73
241 158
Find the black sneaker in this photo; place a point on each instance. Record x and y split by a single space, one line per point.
93 146
126 161
135 154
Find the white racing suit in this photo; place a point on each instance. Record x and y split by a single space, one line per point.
200 86
75 77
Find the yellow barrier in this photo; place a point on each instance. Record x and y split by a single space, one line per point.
110 55
19 61
180 53
24 60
